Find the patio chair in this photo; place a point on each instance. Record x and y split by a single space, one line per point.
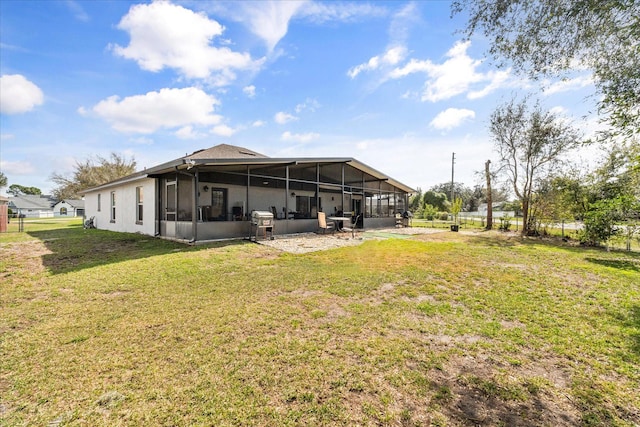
324 225
354 225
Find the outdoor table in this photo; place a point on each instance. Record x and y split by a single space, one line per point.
339 218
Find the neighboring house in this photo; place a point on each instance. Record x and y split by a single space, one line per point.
31 206
484 207
69 208
211 193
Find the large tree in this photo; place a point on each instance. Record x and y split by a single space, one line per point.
552 37
18 190
3 180
90 173
529 141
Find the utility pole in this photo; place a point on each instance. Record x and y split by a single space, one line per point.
453 161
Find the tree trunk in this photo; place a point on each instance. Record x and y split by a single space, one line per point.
489 196
525 217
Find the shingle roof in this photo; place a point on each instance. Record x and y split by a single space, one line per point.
224 151
31 202
75 203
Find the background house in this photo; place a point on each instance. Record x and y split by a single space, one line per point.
31 206
69 208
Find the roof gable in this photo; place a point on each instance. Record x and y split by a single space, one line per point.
225 151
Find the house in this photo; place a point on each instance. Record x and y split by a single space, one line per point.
69 208
483 209
210 194
32 206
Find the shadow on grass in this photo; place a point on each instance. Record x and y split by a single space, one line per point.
74 248
620 264
633 322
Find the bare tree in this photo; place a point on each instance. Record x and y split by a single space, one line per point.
528 143
91 173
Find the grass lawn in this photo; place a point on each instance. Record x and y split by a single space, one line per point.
107 329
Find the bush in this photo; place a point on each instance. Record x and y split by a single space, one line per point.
429 212
505 223
443 216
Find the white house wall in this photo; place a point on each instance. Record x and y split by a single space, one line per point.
126 207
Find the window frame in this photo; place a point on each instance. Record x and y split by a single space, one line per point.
113 206
139 204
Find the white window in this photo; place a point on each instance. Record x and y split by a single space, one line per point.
139 204
113 206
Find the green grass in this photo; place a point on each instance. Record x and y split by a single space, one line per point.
108 329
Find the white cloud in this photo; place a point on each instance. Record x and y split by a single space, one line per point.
451 118
391 57
320 13
258 123
187 132
18 95
569 85
269 20
250 91
167 35
223 130
282 118
6 136
456 75
309 104
498 79
18 168
168 108
300 137
78 11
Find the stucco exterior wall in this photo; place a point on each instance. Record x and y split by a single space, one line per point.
126 207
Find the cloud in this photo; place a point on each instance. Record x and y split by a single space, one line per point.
250 91
167 35
168 108
18 95
269 20
300 137
309 104
187 132
455 76
319 13
77 10
451 118
569 85
18 168
391 57
282 118
223 130
258 123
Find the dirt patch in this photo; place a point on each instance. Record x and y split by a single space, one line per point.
23 256
480 391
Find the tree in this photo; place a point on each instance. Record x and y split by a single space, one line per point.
487 174
18 190
528 144
436 199
91 173
456 207
613 193
3 180
553 37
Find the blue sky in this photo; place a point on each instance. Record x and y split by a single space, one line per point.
390 83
